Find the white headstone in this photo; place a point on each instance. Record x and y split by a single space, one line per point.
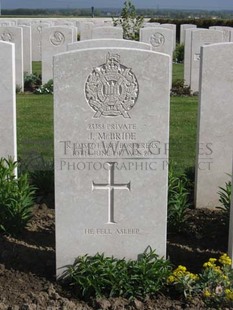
215 127
107 43
7 103
85 30
173 28
54 41
15 35
107 33
7 23
111 131
184 27
151 25
37 40
161 39
226 32
187 54
27 49
200 37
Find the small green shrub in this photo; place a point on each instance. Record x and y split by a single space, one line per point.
178 200
16 198
18 89
31 82
47 88
43 179
96 276
178 54
180 89
129 21
225 200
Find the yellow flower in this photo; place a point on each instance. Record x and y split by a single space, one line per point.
193 276
206 293
225 259
212 260
181 268
229 294
208 265
171 279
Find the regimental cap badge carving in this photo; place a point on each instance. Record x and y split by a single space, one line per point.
57 38
157 39
111 89
6 36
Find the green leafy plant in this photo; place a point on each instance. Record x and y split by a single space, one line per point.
18 89
43 178
178 200
107 276
130 21
47 88
16 198
178 54
31 82
225 200
180 89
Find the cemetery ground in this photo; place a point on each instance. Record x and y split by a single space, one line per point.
27 262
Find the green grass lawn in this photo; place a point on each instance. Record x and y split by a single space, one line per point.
183 122
178 72
35 125
36 67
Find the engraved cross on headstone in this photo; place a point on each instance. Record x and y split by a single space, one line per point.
110 186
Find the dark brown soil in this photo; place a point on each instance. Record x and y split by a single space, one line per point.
27 264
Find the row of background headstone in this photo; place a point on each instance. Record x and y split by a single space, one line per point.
30 41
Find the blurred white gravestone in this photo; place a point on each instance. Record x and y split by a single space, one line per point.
8 146
27 49
173 28
226 32
111 136
161 39
54 41
107 33
37 40
85 30
215 126
107 43
200 37
184 27
15 35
